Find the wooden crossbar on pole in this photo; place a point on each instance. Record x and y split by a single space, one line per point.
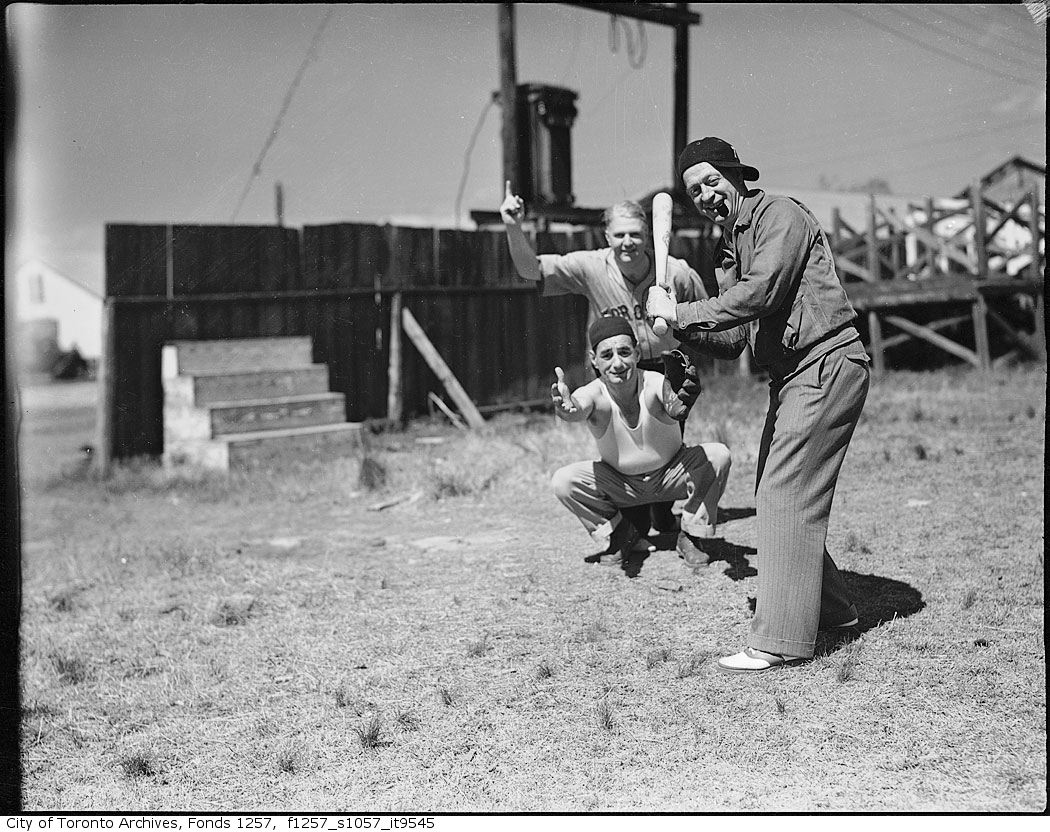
441 370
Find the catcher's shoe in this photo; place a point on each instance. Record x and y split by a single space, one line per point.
696 551
621 542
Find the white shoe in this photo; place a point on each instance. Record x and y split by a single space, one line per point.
753 661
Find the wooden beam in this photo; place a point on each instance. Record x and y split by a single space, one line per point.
647 12
441 370
849 267
1024 341
393 374
1040 324
508 91
107 385
902 337
980 331
980 231
932 337
1035 268
873 244
878 357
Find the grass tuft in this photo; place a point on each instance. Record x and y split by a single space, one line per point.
655 657
372 476
289 759
592 632
71 670
848 667
233 612
136 764
855 543
969 598
445 696
368 734
920 451
544 670
690 666
406 721
604 715
62 601
478 648
781 707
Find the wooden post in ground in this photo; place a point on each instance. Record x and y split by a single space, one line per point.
441 369
931 252
106 384
873 244
508 90
1035 271
980 305
878 358
393 375
1040 324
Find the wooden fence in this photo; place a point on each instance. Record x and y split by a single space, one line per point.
938 281
335 284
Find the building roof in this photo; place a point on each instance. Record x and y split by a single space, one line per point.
39 265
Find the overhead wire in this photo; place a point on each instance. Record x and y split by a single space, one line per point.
971 26
469 152
892 148
635 55
285 104
934 49
1002 55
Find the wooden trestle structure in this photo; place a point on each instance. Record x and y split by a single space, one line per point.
965 255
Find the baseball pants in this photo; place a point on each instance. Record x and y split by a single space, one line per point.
809 424
595 492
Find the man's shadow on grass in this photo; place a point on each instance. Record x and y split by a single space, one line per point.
878 600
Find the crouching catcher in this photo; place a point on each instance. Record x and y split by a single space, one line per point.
634 417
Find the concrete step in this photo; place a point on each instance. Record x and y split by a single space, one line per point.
262 448
209 388
221 418
235 354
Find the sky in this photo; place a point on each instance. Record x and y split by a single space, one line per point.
158 114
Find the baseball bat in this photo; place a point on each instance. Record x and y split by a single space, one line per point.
662 207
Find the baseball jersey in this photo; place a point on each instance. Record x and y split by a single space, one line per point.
595 275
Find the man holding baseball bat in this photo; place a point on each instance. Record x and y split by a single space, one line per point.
634 415
614 280
780 279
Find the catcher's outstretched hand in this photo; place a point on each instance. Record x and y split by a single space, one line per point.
561 395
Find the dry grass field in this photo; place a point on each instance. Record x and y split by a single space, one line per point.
273 642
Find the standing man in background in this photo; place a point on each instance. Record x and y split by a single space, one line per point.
614 280
780 279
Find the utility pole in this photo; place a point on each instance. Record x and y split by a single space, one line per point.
681 92
508 88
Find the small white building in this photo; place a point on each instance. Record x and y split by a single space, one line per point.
48 301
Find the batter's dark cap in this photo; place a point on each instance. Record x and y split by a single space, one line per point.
716 152
608 326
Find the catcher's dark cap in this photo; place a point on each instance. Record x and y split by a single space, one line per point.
716 152
608 326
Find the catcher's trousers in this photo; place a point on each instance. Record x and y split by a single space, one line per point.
595 492
809 424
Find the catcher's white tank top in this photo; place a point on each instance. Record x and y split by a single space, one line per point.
649 445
